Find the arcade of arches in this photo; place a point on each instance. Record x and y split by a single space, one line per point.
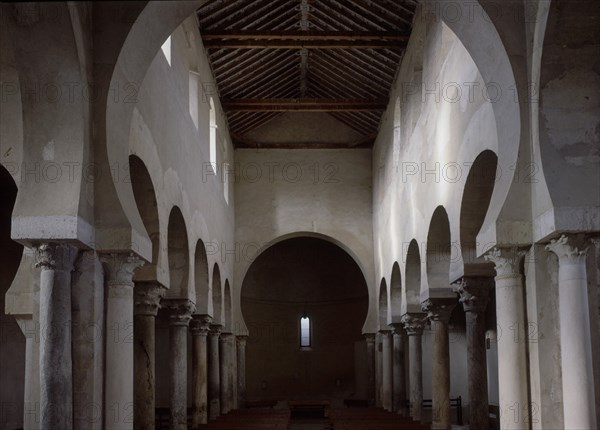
209 206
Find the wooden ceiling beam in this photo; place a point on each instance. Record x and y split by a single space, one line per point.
304 105
304 44
310 36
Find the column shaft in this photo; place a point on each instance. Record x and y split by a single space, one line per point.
214 404
441 376
414 324
416 376
474 294
386 373
439 309
199 327
575 336
147 302
56 391
370 342
179 318
399 385
378 370
512 347
226 372
241 370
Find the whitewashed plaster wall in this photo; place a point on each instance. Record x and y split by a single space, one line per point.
325 193
176 153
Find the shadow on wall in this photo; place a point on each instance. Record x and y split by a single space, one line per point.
295 278
12 341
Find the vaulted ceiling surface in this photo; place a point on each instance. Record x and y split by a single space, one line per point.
338 57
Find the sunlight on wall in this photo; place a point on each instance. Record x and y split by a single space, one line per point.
166 49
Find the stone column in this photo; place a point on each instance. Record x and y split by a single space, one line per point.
370 341
399 380
241 370
30 398
147 296
474 296
226 371
414 323
56 392
199 326
512 339
439 311
180 314
214 389
118 375
378 369
575 337
386 371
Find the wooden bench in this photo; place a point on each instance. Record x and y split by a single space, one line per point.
455 403
244 419
309 408
371 419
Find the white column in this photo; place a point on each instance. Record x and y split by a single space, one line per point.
118 375
414 323
387 368
575 337
512 339
56 390
180 314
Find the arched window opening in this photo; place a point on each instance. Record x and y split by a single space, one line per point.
213 136
305 338
194 88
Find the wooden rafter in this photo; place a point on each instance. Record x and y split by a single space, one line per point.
333 56
305 35
304 44
304 105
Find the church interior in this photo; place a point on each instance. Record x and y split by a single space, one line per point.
300 214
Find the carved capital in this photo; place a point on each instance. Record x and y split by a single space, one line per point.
439 309
474 292
226 337
148 296
370 338
570 249
200 325
180 311
507 261
55 256
414 323
241 341
398 329
119 268
215 330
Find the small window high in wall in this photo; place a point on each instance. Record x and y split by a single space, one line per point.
213 135
305 338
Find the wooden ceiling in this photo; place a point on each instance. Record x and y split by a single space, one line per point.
275 56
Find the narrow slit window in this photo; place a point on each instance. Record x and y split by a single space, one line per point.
305 332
